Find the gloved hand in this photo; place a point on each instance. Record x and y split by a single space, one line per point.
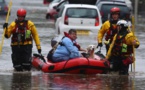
107 42
39 51
5 25
99 45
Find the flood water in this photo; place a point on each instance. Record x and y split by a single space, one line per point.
43 81
37 80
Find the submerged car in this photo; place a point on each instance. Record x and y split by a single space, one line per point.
106 5
128 2
47 2
51 11
85 19
3 7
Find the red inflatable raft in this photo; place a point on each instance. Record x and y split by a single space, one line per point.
73 66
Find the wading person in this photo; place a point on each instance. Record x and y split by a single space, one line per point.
109 28
23 32
120 53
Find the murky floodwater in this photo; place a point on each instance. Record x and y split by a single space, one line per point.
37 80
43 81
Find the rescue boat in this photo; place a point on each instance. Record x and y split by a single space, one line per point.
79 65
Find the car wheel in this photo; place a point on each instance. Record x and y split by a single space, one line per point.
47 16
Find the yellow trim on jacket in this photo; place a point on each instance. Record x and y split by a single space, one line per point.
129 38
104 28
33 30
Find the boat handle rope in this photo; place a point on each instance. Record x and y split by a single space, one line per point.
88 61
65 64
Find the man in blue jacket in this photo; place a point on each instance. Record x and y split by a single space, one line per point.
68 48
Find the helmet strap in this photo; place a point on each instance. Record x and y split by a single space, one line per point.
113 21
123 30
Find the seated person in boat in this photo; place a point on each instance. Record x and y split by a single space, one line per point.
67 48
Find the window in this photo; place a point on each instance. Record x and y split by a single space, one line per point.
56 1
61 5
81 13
105 10
107 7
60 12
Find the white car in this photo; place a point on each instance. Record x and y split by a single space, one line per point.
85 19
50 9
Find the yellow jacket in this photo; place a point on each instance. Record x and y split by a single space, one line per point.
33 30
130 40
103 30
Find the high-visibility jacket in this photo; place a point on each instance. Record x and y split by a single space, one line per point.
128 40
66 51
13 31
75 43
109 29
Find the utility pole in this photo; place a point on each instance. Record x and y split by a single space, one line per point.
136 11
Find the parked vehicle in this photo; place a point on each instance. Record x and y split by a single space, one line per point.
51 11
85 19
3 7
128 2
47 2
105 6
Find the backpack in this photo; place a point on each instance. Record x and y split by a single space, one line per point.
49 55
54 44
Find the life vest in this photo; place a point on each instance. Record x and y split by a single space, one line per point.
75 44
111 32
19 32
121 48
50 53
54 41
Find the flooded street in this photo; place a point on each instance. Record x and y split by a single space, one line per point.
37 80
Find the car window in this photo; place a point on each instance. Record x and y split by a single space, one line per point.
81 13
107 7
61 5
60 12
56 1
105 10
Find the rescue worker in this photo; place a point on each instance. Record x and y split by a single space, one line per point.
23 32
109 28
67 48
120 53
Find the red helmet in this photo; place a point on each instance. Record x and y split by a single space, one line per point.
115 10
21 12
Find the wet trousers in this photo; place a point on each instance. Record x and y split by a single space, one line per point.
117 65
21 57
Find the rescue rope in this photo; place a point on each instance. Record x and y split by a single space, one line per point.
7 18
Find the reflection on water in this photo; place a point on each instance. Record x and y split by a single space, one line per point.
21 81
44 81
